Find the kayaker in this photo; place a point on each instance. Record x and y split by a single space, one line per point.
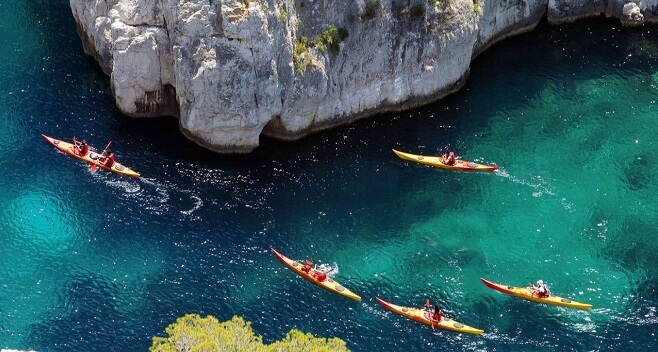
307 267
449 157
107 158
541 290
438 313
319 275
81 148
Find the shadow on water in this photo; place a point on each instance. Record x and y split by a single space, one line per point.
635 247
88 304
639 172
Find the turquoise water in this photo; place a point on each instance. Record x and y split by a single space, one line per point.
103 262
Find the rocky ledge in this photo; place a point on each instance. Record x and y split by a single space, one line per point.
231 70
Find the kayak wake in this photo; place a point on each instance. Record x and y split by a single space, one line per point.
158 198
540 188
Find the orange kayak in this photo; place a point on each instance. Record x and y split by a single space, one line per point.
526 293
92 157
425 317
328 283
437 161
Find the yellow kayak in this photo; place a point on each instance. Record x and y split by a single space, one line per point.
92 157
437 161
527 293
425 317
326 283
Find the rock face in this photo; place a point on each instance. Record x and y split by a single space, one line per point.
231 70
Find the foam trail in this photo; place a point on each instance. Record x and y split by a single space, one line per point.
159 199
541 189
330 269
198 203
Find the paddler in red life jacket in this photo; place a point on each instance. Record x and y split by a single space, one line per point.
449 157
108 158
319 275
80 148
437 314
541 290
307 267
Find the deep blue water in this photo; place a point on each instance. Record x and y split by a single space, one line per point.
96 261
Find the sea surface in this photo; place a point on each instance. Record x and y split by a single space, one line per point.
100 262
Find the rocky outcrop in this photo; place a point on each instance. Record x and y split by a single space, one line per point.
232 70
632 15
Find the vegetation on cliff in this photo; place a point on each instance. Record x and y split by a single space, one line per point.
331 38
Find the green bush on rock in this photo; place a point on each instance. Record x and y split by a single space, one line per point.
371 10
331 38
192 333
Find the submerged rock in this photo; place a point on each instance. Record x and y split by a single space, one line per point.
232 70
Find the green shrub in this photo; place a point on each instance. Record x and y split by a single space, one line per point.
301 58
192 333
371 10
330 38
283 15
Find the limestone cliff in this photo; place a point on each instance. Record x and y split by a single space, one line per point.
233 69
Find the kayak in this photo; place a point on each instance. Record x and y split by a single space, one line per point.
425 317
526 293
328 283
92 157
437 161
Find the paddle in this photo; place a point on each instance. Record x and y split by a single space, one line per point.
92 168
427 305
75 144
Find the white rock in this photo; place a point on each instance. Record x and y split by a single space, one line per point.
632 15
226 69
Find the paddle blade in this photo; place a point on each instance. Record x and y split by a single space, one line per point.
92 168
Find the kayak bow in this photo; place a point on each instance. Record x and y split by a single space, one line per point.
436 161
92 157
526 293
423 316
328 284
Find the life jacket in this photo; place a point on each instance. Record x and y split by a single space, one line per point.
542 291
85 150
109 161
319 275
451 158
